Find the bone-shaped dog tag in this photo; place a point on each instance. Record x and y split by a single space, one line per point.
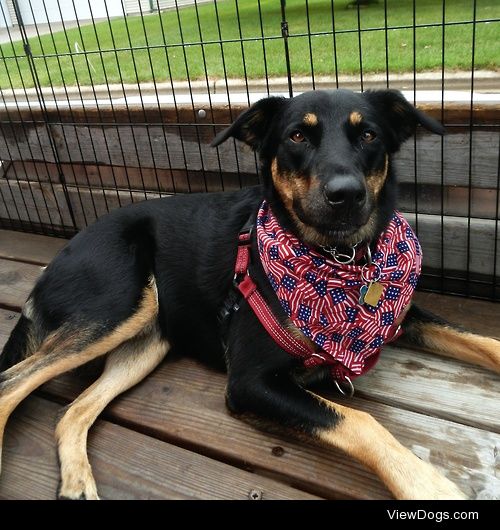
362 293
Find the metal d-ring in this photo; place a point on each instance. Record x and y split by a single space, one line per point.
376 276
342 259
349 391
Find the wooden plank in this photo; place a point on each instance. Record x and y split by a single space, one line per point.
126 178
34 202
31 248
25 140
16 282
182 399
478 316
483 202
484 163
186 147
183 147
463 245
88 205
449 200
8 320
435 386
455 113
126 464
471 455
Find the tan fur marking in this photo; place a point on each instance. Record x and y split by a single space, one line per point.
375 181
355 118
310 119
284 185
291 187
298 335
361 437
464 346
125 366
55 356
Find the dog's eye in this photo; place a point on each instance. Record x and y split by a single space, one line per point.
297 137
368 136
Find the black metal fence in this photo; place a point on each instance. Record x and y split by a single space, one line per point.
107 103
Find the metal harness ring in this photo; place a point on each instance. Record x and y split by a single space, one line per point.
349 391
376 276
342 259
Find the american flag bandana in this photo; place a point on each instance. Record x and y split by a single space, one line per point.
322 297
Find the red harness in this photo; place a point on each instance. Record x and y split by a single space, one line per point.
344 365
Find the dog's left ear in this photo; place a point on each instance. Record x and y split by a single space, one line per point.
401 116
253 125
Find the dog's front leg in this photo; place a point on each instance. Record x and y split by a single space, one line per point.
356 433
260 384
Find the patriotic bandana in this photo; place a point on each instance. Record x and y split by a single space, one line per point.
322 297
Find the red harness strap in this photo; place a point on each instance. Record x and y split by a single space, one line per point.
248 289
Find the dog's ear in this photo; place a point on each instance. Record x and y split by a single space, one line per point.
401 116
252 125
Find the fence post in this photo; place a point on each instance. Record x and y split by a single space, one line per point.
284 34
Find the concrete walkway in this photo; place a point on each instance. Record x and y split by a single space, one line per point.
14 34
428 88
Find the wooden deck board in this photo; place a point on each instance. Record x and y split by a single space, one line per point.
126 464
16 281
21 246
444 410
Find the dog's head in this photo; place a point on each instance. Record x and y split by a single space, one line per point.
326 159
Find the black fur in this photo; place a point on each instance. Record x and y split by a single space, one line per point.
189 244
16 346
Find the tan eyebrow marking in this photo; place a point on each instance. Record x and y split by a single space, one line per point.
355 118
310 119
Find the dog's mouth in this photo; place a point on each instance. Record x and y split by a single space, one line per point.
345 233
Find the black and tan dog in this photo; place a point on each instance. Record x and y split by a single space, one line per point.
154 275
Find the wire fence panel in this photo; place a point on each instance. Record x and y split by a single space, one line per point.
107 103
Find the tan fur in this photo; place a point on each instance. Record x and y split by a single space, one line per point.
292 188
310 119
375 181
355 118
464 346
61 352
361 437
125 366
298 335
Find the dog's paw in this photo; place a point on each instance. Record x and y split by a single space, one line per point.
426 483
79 490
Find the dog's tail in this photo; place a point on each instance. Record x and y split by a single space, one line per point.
19 345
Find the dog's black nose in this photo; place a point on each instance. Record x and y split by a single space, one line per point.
344 190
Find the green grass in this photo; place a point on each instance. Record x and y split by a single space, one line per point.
143 65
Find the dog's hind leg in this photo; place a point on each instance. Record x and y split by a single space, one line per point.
69 347
431 333
125 366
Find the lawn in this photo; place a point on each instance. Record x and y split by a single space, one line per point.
68 65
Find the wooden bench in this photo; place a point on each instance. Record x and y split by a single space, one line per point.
172 438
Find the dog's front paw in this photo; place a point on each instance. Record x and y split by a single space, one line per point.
78 489
426 483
